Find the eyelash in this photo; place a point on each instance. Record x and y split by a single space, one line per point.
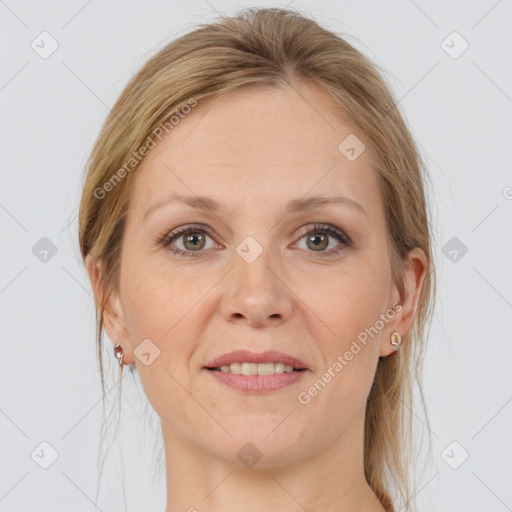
168 238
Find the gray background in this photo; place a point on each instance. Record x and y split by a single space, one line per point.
457 107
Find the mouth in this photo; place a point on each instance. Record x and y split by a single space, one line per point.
247 368
245 362
256 373
257 378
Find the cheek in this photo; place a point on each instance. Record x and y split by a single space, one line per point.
159 301
350 301
350 306
161 311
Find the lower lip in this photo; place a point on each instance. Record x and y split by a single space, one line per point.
257 383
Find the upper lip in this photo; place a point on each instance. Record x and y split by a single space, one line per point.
246 356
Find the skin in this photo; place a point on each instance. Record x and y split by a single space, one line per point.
253 150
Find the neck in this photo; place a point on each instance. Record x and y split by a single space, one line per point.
199 482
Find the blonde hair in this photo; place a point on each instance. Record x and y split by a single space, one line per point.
276 47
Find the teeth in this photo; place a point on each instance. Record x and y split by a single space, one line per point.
235 368
250 369
256 368
279 367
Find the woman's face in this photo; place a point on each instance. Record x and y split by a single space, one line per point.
254 275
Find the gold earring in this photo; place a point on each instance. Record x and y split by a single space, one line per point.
119 353
395 339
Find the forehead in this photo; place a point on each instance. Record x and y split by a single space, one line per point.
258 144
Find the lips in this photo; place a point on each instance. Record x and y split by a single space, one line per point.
246 356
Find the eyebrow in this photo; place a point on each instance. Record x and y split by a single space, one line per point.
295 205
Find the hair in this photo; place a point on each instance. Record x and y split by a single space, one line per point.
272 48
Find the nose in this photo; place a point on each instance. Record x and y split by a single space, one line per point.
255 293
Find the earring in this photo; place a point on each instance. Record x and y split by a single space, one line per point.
119 353
396 340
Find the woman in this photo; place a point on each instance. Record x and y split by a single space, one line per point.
254 225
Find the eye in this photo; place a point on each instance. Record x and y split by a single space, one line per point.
317 239
191 238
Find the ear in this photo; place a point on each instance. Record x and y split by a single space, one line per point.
113 315
414 276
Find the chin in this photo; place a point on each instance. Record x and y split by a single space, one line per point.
257 445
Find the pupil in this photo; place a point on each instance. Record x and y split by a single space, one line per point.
193 239
318 241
